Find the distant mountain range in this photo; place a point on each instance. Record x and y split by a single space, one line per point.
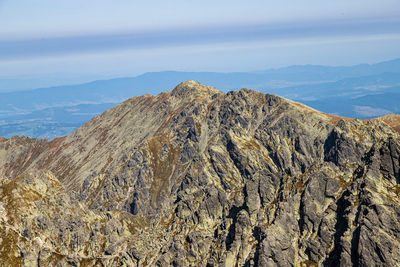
361 91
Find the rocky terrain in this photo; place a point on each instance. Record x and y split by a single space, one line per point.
196 177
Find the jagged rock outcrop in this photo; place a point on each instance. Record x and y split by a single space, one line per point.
196 177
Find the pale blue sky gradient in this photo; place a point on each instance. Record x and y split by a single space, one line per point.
44 18
125 38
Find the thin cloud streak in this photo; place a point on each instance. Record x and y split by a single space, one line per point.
227 57
22 49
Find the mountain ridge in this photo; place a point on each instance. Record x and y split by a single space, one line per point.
198 177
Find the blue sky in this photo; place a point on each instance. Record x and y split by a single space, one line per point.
99 38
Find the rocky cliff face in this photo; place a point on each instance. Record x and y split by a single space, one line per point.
196 177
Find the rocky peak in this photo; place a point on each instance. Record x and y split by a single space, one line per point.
192 88
196 177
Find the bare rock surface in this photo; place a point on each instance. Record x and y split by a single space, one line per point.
196 177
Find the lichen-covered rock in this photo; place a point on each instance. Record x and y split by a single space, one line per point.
196 177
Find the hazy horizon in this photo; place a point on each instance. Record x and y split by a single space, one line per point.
50 80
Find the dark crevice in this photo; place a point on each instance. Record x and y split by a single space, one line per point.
259 235
233 212
367 158
330 150
301 214
355 241
396 172
340 228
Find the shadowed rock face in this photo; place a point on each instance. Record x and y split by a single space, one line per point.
196 177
